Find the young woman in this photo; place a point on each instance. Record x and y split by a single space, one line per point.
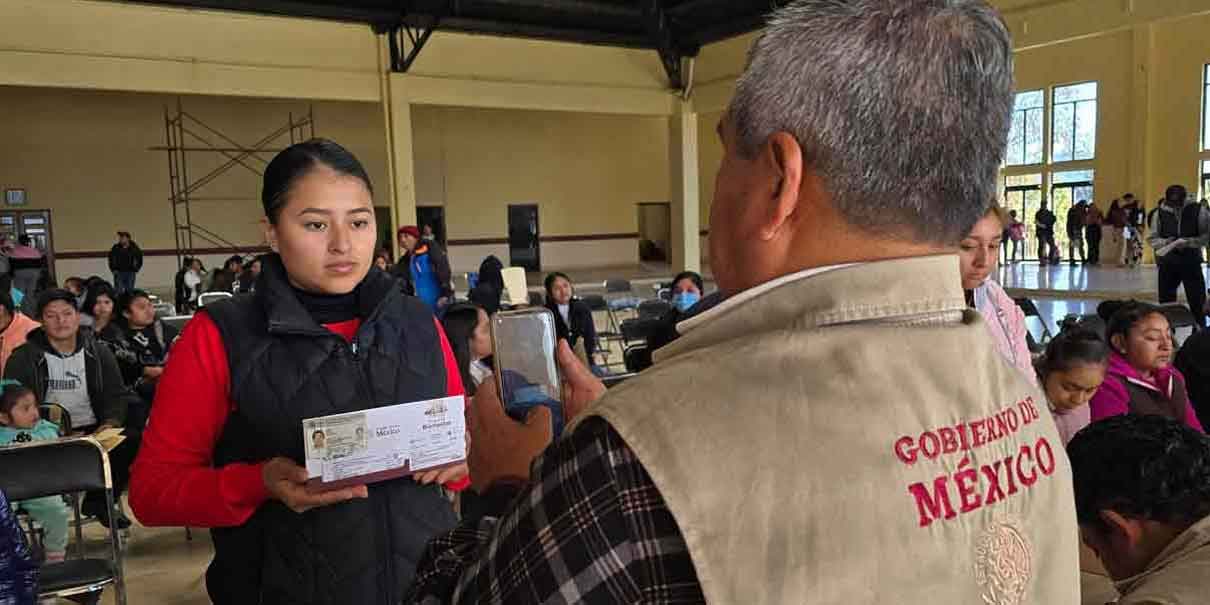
323 334
1070 372
1141 377
466 325
98 311
573 318
687 290
979 254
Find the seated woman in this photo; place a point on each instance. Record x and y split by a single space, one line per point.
573 318
469 331
1070 372
979 254
97 311
1141 377
687 291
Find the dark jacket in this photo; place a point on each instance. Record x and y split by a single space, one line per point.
138 349
1075 221
18 570
441 269
108 393
1193 361
126 260
1045 221
582 325
285 367
222 281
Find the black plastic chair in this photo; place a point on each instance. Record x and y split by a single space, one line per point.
654 308
177 321
1030 309
597 304
618 286
638 359
536 299
1179 316
50 468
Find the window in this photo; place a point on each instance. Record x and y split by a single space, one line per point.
1025 135
1075 123
1067 188
1205 178
1206 109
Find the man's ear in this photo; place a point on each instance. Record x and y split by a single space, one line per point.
784 160
1122 530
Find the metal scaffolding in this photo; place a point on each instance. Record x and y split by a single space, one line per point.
184 136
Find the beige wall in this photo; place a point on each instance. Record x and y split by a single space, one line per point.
84 156
586 172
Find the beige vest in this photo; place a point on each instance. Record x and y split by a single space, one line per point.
855 437
1179 575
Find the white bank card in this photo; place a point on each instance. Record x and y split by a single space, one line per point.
385 443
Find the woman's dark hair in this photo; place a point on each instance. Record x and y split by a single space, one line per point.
1072 348
459 322
237 260
691 276
550 281
1145 467
12 392
1124 316
97 291
296 161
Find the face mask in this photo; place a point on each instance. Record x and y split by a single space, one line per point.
685 300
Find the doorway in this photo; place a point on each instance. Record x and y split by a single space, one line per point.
433 216
1023 194
35 224
655 231
1067 189
386 239
524 237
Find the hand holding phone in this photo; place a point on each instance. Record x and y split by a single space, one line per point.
526 372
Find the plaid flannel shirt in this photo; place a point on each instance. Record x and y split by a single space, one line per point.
590 527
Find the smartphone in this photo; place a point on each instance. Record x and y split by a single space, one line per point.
527 375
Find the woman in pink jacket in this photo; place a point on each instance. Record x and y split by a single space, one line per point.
979 254
1141 378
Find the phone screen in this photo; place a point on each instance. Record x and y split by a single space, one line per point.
526 373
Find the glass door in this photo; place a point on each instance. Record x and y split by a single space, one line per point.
1067 189
35 224
1023 194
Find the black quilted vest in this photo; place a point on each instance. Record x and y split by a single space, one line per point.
1179 222
286 367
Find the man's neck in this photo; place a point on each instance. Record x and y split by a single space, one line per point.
66 346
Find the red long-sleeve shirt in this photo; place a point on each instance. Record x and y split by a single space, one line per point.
173 481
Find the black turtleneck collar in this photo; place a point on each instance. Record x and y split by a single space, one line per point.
291 309
330 308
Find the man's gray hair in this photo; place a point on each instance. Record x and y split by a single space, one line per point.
901 106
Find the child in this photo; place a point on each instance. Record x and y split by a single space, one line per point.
20 423
1070 372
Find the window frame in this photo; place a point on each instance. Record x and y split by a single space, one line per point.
1025 113
1075 112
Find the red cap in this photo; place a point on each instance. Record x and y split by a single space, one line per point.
409 230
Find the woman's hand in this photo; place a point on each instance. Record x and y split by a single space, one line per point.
287 482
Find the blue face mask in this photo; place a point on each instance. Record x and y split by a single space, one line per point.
685 300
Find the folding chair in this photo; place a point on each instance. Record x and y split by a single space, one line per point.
177 321
1179 317
597 304
620 295
163 309
650 309
638 358
210 297
50 468
59 415
1030 309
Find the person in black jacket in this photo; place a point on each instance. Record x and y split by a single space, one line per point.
324 333
490 288
125 261
140 343
1179 229
573 318
67 366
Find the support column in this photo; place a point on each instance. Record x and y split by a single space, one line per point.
683 157
402 156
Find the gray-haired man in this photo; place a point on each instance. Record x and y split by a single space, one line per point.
839 429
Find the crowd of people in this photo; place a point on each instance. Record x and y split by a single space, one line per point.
855 281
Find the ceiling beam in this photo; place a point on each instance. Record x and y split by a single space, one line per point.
337 11
526 30
663 38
